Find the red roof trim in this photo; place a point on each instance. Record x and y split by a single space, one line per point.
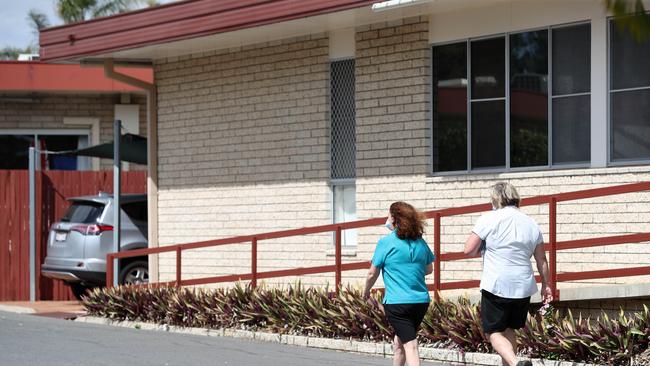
43 77
177 21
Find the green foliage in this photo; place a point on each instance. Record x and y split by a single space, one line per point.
72 11
631 16
319 312
459 323
11 53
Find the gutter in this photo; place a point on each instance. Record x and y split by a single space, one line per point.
152 157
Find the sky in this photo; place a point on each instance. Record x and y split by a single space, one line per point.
15 29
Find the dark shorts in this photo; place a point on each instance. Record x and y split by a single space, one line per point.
499 313
406 319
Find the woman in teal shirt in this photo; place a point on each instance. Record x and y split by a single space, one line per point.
404 258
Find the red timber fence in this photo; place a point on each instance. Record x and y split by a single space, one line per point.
52 190
437 215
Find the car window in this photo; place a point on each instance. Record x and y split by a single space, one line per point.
137 211
83 212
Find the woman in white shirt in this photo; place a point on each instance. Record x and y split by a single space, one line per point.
507 283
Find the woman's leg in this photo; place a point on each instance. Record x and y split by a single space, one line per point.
412 353
399 357
505 344
510 334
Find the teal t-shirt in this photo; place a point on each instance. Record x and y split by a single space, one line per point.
403 266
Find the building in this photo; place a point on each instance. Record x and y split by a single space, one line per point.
278 115
64 107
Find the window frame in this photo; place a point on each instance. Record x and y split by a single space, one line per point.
610 126
507 98
346 181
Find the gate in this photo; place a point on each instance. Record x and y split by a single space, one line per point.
52 190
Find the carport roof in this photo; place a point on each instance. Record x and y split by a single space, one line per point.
20 76
176 21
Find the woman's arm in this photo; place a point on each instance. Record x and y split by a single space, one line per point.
429 268
542 268
472 245
371 278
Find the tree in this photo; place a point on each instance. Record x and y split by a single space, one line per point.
11 53
72 11
37 21
632 16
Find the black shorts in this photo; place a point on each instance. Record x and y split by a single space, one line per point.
499 313
406 319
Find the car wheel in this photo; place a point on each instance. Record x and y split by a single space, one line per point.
78 290
135 273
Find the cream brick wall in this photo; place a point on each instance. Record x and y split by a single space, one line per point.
607 216
392 98
244 149
47 111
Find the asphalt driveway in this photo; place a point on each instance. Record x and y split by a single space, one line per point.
33 340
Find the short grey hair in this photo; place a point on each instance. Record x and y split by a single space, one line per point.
504 194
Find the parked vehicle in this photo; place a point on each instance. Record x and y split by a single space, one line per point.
78 243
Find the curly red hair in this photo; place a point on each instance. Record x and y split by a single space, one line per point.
408 221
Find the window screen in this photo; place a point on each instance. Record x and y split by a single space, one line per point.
343 140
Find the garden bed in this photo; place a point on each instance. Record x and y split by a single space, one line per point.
451 330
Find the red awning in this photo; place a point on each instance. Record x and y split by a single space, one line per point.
16 76
176 21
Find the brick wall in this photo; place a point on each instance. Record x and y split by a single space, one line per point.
49 111
392 97
608 216
250 115
244 148
596 308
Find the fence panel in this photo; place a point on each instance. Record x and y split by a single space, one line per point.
52 190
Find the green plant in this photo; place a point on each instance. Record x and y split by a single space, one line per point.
346 314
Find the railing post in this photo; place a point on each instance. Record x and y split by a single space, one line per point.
436 253
552 228
254 262
178 266
109 270
338 258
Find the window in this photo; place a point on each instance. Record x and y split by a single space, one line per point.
503 118
83 212
345 210
571 99
14 148
343 145
488 103
14 151
343 125
529 99
629 96
450 107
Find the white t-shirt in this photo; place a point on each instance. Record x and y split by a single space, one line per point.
511 238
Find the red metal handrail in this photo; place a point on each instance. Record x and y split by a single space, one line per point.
552 247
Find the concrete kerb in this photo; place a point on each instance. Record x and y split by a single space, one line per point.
17 309
381 349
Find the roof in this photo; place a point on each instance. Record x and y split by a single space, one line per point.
108 197
176 21
42 77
